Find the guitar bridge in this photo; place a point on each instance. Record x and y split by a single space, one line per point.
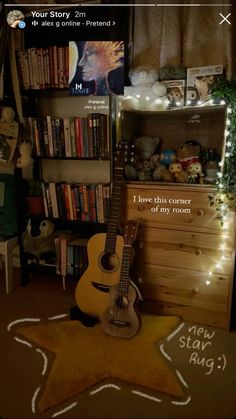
101 287
119 323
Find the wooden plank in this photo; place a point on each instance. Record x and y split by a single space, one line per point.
172 208
198 251
182 286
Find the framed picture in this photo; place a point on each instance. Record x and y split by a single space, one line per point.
175 92
200 81
96 68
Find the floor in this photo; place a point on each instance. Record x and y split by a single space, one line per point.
204 358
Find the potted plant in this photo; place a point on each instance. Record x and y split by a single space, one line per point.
35 197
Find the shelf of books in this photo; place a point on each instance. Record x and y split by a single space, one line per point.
76 202
43 68
75 137
70 258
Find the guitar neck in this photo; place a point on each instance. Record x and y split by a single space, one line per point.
114 212
124 274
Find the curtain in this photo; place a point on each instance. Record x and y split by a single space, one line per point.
191 36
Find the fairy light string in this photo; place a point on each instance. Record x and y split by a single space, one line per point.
224 197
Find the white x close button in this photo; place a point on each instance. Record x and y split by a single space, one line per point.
225 19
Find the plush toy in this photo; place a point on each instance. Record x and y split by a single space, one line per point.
195 174
179 174
25 159
145 158
158 172
161 173
167 157
188 153
38 237
145 92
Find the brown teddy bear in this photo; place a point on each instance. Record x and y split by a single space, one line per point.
187 153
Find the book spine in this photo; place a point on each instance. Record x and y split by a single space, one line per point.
40 67
66 123
45 200
72 138
66 51
45 138
53 196
78 135
30 68
51 68
86 203
49 203
54 138
71 212
63 256
70 251
60 60
55 67
90 135
100 203
57 243
50 139
36 138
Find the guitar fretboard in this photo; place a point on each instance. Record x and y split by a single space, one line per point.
124 274
114 213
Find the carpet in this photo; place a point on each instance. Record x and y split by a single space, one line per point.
86 356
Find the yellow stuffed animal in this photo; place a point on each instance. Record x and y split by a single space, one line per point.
180 175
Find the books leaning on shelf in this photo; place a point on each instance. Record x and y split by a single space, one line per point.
76 201
71 254
43 68
76 137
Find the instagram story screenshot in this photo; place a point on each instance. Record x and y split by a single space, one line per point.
118 209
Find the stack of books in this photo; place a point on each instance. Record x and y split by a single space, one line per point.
43 68
76 201
77 137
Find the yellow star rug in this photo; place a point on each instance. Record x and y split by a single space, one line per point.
86 356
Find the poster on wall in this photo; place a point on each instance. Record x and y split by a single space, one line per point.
96 68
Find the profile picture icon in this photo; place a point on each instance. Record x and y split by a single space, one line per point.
15 19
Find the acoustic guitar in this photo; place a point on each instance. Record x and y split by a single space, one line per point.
104 250
121 318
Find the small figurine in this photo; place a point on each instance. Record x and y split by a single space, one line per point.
167 157
180 175
195 174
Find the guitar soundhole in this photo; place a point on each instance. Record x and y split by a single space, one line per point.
109 261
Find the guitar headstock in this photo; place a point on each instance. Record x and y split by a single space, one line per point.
130 232
123 153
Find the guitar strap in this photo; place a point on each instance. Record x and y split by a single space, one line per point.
140 297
